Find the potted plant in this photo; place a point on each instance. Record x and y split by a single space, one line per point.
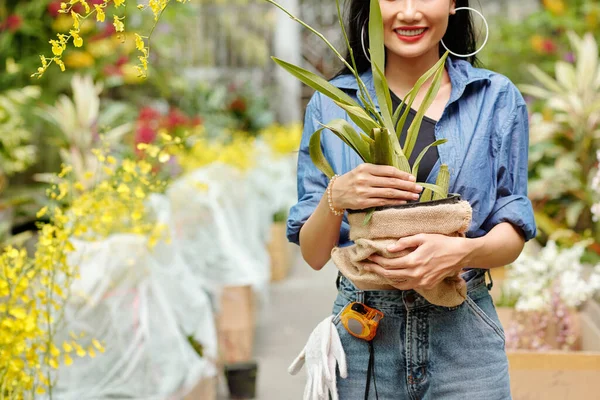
377 142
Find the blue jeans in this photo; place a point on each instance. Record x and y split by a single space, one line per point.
426 352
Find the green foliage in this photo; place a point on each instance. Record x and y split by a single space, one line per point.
539 38
564 139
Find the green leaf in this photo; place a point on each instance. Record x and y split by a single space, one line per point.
376 42
443 181
425 196
368 216
316 154
415 90
316 82
384 152
415 126
433 188
383 97
360 144
360 117
401 162
415 169
396 116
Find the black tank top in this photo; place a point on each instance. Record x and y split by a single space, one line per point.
425 138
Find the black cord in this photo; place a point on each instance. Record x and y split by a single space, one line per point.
371 371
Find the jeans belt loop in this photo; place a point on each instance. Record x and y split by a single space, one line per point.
360 296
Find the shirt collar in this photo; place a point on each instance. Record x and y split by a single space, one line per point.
461 75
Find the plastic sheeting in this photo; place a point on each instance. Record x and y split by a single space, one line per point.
223 217
142 305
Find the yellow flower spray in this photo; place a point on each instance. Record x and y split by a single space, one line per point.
59 45
34 290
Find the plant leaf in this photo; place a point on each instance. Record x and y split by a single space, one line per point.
545 79
376 43
317 156
342 129
412 95
401 162
383 97
316 82
433 188
417 163
415 126
368 216
360 117
443 181
383 150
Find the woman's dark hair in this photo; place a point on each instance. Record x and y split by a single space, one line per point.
459 37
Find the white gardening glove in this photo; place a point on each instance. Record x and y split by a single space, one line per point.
321 354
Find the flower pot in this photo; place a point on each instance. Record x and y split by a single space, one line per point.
236 322
279 252
241 380
450 216
452 198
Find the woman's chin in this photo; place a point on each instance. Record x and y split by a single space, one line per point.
412 51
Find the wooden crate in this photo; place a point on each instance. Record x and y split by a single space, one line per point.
236 323
279 252
558 375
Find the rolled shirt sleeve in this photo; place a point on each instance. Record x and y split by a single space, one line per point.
311 182
512 204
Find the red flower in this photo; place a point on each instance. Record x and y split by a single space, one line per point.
144 134
238 105
112 70
12 23
197 121
54 8
548 46
122 61
175 119
148 115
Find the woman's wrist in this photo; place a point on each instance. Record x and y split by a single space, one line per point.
330 201
473 249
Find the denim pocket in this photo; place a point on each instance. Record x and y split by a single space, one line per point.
486 317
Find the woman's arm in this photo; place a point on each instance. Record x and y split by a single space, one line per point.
319 235
499 247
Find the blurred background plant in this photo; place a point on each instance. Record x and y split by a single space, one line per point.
564 139
540 37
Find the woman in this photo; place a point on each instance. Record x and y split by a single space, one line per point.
424 351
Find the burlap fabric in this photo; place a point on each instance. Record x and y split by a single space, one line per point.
389 225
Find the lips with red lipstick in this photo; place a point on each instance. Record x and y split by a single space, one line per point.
410 33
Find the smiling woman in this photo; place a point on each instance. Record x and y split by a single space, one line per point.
421 350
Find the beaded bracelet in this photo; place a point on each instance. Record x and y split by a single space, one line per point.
329 197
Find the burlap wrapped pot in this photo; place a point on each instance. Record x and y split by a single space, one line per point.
450 216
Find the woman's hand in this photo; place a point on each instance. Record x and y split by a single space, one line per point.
370 185
434 258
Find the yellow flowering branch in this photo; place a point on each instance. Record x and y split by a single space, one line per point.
31 299
59 45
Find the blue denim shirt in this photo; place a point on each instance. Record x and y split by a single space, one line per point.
486 124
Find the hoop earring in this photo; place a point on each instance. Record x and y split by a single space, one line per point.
362 42
487 34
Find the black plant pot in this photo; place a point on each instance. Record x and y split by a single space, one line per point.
241 380
452 198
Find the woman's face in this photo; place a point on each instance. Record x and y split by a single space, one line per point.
414 27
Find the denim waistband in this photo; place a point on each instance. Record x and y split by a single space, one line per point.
397 301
